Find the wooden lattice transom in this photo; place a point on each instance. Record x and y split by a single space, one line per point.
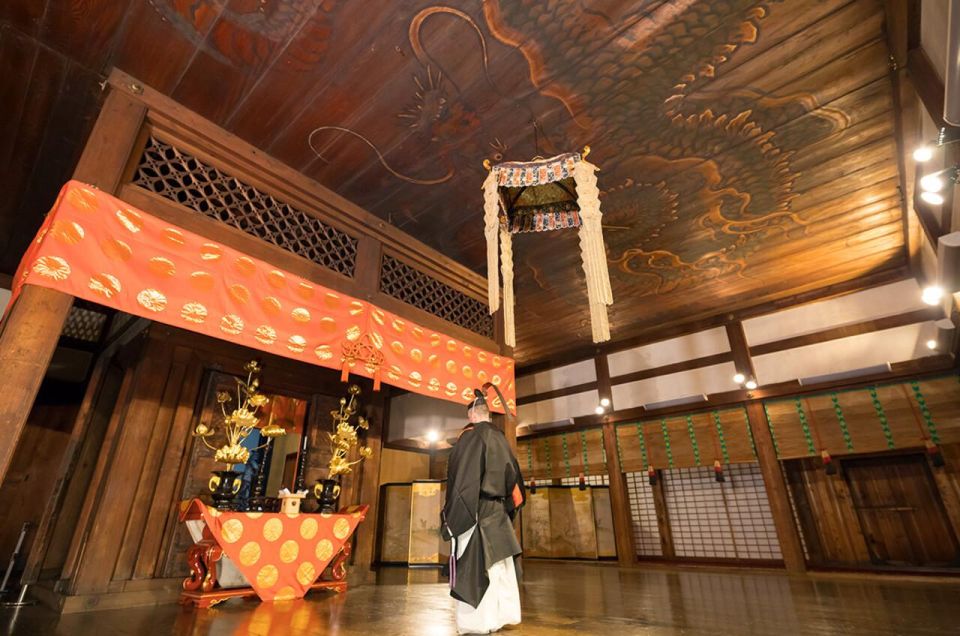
413 287
180 177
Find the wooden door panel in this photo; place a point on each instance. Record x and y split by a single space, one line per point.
900 511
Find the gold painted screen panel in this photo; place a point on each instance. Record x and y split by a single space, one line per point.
426 544
603 520
395 537
573 531
536 524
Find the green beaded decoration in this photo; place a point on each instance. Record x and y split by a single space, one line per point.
811 448
931 426
566 454
882 416
546 446
616 437
693 440
843 421
773 433
643 446
583 447
530 457
720 437
746 422
666 442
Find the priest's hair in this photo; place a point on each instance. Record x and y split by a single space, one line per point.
479 412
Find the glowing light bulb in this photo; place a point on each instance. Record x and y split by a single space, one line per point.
432 436
604 402
932 295
751 384
923 153
932 198
739 378
932 183
931 344
599 410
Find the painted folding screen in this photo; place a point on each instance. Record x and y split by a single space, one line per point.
867 420
685 441
562 455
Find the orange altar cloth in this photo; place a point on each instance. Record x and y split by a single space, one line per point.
96 247
280 555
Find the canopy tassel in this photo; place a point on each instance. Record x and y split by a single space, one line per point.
506 265
491 207
592 252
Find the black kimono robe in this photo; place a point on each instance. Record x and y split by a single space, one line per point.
484 487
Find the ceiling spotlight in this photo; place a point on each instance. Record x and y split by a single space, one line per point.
604 402
739 378
931 344
932 198
599 410
932 295
751 384
923 153
432 436
932 183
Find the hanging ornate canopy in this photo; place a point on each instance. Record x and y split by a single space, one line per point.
537 196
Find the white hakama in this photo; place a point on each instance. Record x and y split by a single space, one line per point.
500 605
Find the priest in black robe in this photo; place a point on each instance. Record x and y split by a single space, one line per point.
484 492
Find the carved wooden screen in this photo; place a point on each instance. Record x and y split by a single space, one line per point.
185 179
406 283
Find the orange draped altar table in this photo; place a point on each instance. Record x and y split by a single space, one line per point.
280 555
96 247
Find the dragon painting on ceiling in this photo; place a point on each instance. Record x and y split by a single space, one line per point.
696 167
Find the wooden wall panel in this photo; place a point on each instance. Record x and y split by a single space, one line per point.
545 458
603 518
395 533
572 527
536 524
426 503
947 479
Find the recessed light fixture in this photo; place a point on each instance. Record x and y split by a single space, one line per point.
432 436
933 198
599 410
751 384
931 344
739 378
932 183
923 153
604 402
932 295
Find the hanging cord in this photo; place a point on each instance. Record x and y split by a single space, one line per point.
828 465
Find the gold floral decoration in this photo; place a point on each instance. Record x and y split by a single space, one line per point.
346 435
240 421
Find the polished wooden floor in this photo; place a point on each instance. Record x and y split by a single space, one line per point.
559 599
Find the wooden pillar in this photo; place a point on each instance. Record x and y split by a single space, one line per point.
30 334
776 487
509 422
366 535
619 501
663 518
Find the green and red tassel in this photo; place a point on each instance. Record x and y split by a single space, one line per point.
828 465
652 476
718 471
583 482
933 452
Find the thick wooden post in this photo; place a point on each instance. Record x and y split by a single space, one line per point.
776 487
619 501
29 337
366 536
663 518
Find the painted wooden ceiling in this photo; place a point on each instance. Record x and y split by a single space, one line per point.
747 149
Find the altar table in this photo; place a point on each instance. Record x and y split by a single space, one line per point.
281 556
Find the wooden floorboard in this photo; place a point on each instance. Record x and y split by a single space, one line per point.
561 599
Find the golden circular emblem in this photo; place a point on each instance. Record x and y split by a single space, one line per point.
451 389
353 333
266 335
231 530
211 252
451 366
331 300
152 300
129 219
397 346
415 378
467 371
341 529
104 284
434 384
272 529
297 344
231 324
323 352
67 232
116 249
305 291
286 593
398 324
356 308
250 553
300 315
276 278
245 266
306 573
52 267
496 362
193 312
328 324
173 236
324 550
309 527
482 357
201 281
240 294
289 551
267 576
271 305
254 515
378 316
162 266
83 198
